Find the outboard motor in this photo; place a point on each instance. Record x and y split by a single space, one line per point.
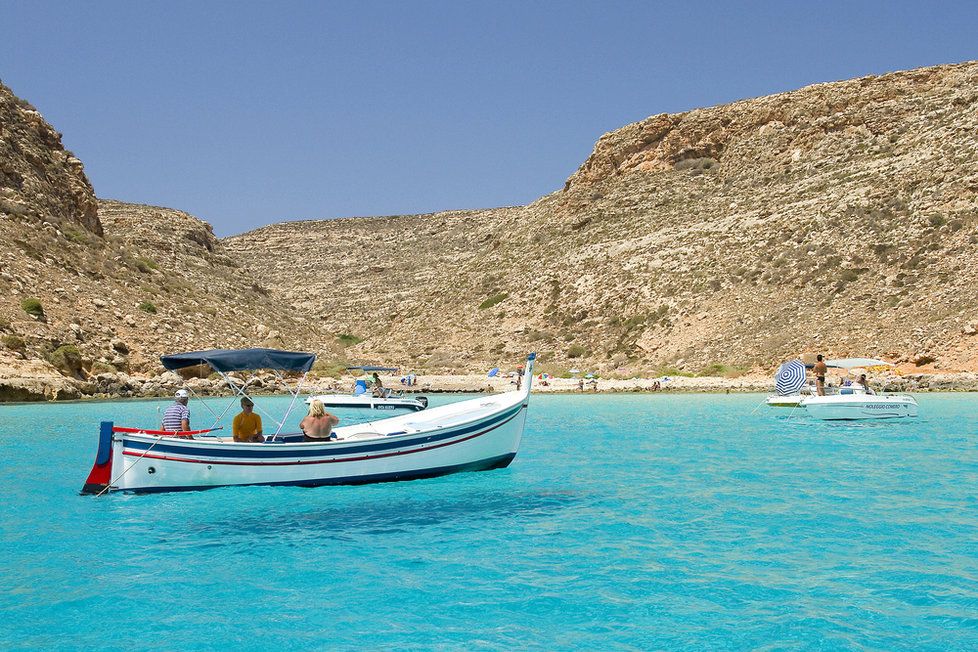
423 400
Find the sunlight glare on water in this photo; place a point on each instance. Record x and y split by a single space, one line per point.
625 522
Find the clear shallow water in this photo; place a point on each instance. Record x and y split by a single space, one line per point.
625 522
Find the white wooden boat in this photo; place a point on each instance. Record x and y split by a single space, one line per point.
473 435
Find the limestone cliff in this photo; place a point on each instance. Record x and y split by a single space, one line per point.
841 217
157 282
40 182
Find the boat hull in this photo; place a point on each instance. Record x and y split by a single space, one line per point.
168 464
790 401
859 407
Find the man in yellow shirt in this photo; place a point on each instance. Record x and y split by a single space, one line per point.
247 425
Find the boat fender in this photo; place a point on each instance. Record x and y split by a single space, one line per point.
423 400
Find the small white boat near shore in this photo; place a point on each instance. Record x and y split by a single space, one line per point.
852 404
363 398
789 400
857 401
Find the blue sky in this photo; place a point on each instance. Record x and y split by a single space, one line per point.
246 114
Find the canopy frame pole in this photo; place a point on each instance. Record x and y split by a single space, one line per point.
295 396
227 407
242 393
200 398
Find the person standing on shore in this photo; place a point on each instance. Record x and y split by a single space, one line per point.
820 369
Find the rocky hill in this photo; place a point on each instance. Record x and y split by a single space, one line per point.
93 291
841 217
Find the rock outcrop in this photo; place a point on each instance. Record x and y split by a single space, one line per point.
40 182
841 218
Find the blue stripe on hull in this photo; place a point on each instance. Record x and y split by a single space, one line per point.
499 462
330 450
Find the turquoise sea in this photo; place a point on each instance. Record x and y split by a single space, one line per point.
625 523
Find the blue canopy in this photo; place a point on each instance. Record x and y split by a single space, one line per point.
241 359
369 368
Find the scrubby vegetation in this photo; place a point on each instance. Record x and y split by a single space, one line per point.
329 368
576 351
348 339
146 265
33 307
14 342
66 358
493 300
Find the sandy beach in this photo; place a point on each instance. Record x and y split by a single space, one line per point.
894 382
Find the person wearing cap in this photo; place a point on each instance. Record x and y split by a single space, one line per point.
247 424
177 416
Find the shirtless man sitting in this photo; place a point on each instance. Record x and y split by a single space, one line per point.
318 424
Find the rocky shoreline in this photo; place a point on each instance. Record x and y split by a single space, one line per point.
23 386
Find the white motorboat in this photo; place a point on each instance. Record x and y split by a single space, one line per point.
362 397
473 435
368 401
856 403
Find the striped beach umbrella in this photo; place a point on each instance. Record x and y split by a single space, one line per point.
790 377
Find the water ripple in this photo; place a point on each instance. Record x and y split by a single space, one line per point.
626 522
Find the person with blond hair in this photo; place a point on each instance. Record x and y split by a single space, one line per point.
318 424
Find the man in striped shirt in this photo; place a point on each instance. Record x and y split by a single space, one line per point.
177 416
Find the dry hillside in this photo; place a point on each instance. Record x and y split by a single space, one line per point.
841 217
91 288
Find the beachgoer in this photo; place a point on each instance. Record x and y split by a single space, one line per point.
820 370
246 426
177 416
580 384
865 383
318 424
378 386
